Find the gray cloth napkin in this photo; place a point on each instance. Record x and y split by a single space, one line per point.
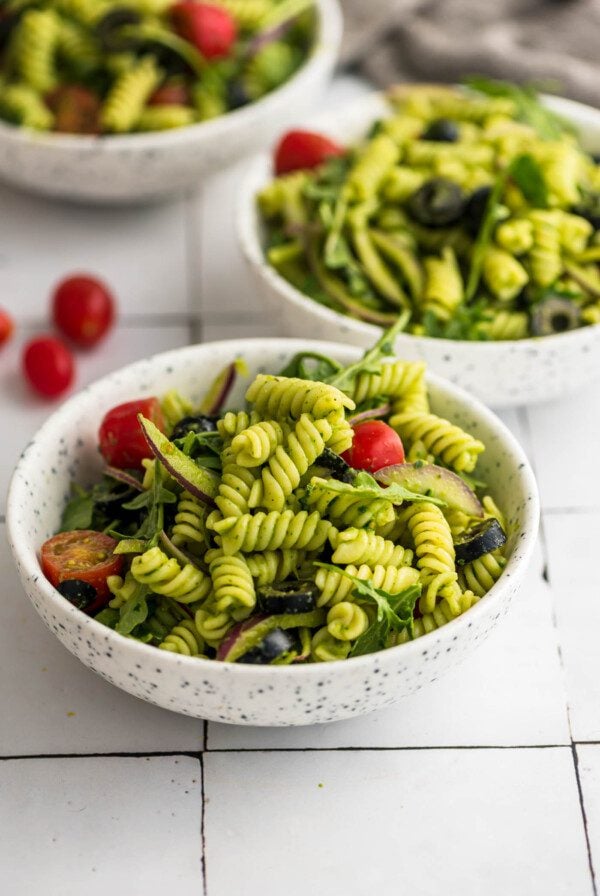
552 42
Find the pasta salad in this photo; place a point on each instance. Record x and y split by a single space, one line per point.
333 516
475 213
110 67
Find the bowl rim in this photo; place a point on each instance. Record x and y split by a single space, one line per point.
325 49
248 235
26 555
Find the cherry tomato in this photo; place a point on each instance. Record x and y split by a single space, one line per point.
48 366
83 309
304 149
211 29
7 326
84 555
76 109
172 93
121 438
375 445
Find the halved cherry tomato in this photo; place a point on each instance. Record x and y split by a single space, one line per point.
48 365
375 445
121 438
83 309
304 149
211 29
7 326
76 109
85 555
172 93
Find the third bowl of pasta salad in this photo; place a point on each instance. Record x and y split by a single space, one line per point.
309 536
472 214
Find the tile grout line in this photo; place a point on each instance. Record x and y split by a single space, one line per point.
203 826
584 818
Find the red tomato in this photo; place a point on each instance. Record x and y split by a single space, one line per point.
211 29
48 366
7 326
375 445
304 149
85 555
83 309
173 93
121 438
76 109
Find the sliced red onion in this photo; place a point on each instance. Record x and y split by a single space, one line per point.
372 414
235 633
183 557
219 390
122 476
433 480
182 468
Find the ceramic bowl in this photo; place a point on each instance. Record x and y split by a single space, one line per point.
502 374
146 166
65 449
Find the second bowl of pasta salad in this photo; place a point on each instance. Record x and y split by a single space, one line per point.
471 214
118 102
307 537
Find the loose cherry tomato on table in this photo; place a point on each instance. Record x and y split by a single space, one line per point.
211 29
84 555
121 438
7 326
172 93
76 109
304 149
48 366
375 445
83 308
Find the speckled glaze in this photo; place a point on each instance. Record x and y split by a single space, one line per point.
502 374
135 167
65 449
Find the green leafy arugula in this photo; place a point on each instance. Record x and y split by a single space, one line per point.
529 109
395 612
369 363
153 501
311 366
528 176
366 486
464 325
133 612
88 509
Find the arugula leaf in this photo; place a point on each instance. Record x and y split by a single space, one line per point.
133 612
366 486
464 325
383 348
79 512
108 616
529 109
394 611
484 236
529 178
323 368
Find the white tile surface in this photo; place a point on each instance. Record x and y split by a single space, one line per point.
27 412
423 822
141 253
98 826
50 702
571 541
589 775
509 692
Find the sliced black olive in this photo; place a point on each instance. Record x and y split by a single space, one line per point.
199 423
287 597
442 130
589 208
475 210
237 95
336 465
437 203
80 594
555 315
107 30
479 540
272 646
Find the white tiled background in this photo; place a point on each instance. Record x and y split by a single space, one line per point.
487 783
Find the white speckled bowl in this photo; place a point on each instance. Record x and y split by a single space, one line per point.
135 167
501 374
65 448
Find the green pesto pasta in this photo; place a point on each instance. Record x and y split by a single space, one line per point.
104 67
463 210
248 537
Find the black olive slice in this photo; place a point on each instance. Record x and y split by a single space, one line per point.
287 597
199 423
479 540
107 30
474 210
438 203
80 594
272 646
442 130
336 465
237 95
555 315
